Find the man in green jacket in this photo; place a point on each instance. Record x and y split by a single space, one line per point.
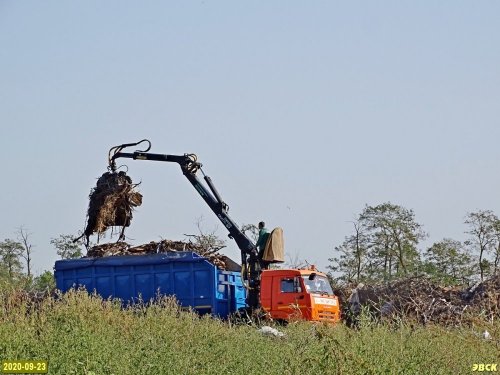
262 240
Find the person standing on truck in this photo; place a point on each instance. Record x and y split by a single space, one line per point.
261 242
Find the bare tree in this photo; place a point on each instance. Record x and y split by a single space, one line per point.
352 253
295 262
23 236
207 240
252 229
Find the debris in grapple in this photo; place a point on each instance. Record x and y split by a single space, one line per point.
111 203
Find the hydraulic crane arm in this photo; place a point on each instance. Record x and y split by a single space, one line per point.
190 166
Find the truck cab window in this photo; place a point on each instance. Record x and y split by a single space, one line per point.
287 286
318 284
290 285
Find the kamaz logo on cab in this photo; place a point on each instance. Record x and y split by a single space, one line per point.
480 367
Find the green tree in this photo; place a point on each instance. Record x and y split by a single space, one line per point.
383 245
10 255
45 282
394 236
482 236
66 246
447 262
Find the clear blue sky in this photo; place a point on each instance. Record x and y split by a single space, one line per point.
302 113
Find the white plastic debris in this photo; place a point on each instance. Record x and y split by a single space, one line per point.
486 335
270 331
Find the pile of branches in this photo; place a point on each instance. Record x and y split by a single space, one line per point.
485 297
163 246
111 203
422 300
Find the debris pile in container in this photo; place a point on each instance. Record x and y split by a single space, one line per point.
163 246
419 298
111 203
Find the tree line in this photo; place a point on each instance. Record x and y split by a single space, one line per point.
384 245
16 260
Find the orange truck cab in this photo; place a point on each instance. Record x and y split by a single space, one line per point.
298 294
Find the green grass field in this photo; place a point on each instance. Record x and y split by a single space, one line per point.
82 334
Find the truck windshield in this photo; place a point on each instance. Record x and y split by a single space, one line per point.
320 285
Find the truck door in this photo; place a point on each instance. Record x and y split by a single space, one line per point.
288 297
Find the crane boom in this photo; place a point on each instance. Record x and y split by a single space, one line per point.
190 166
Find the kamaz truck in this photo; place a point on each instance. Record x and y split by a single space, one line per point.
283 294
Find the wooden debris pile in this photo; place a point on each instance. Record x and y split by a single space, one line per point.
111 203
485 298
421 300
163 246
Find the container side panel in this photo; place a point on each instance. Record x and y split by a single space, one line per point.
68 274
59 280
182 284
240 296
143 268
205 304
87 283
182 266
124 269
203 284
84 272
223 294
123 288
104 270
221 291
144 287
193 280
67 285
163 267
222 308
104 286
163 284
203 289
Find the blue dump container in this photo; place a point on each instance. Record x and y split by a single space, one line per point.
192 279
